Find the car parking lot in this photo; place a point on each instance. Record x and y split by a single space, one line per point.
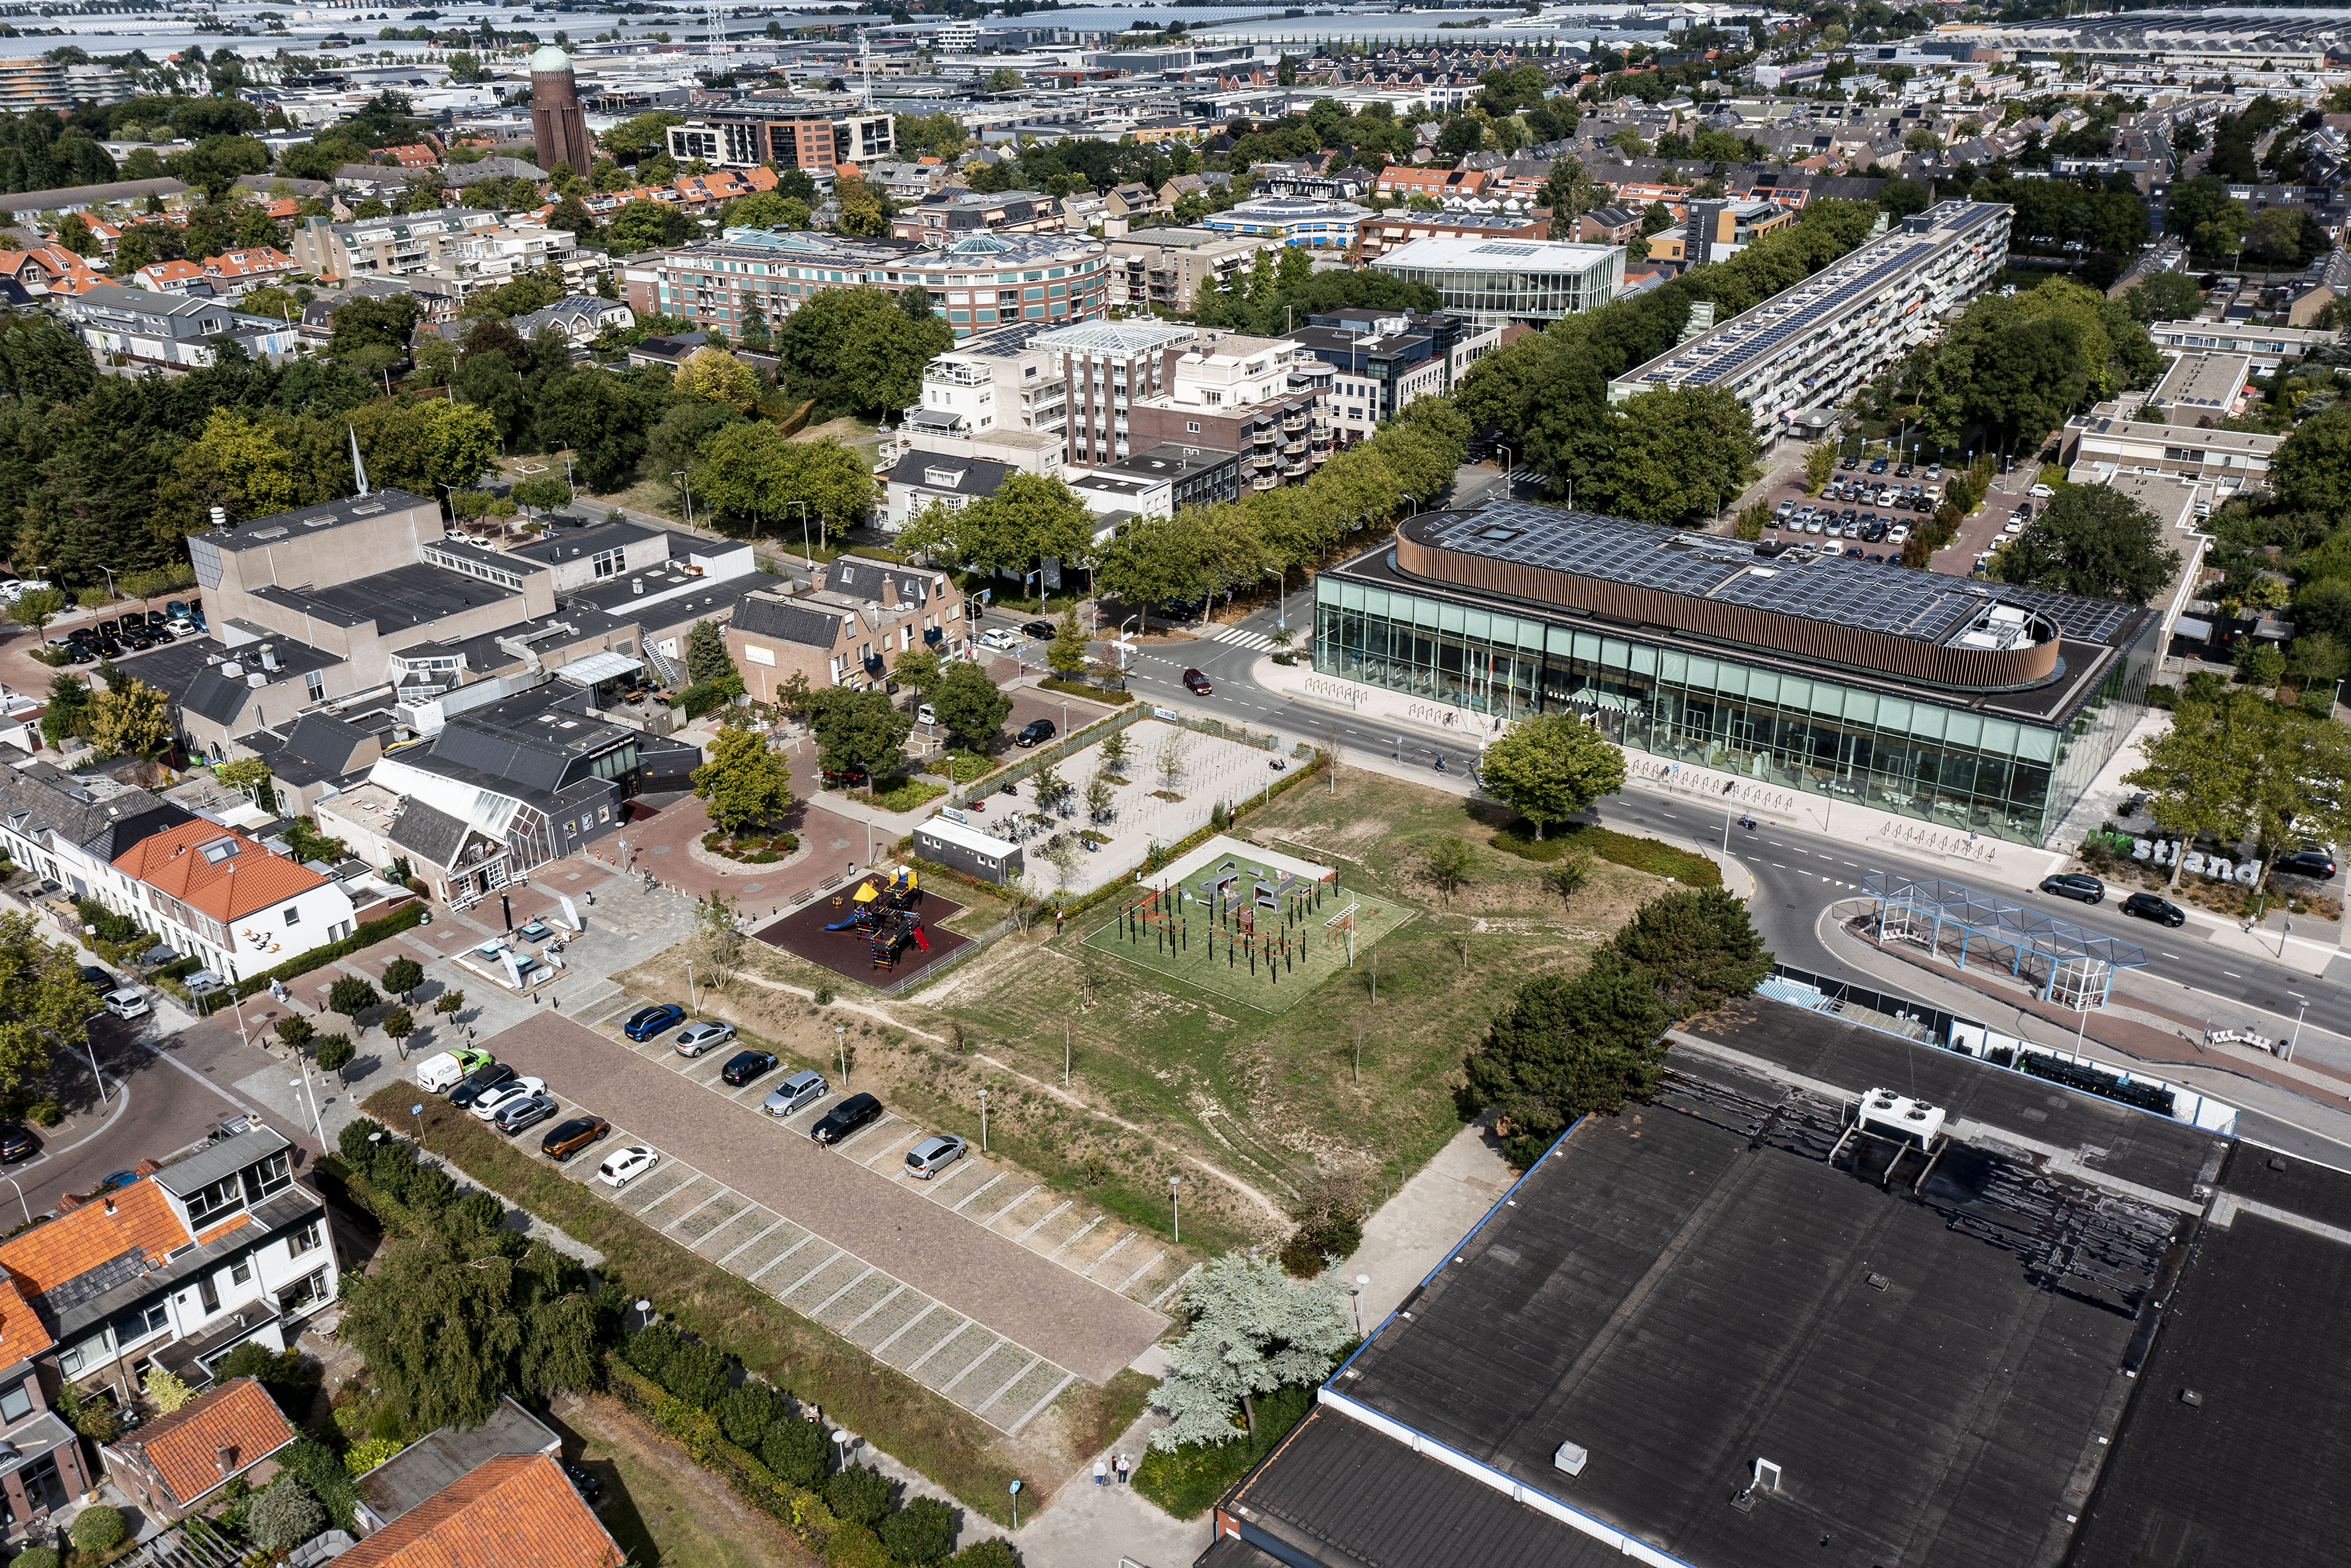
1861 513
995 1293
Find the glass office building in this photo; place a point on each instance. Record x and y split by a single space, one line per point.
1498 281
1988 709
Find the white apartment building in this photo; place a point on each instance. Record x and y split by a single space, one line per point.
1810 347
2113 439
1108 369
2266 348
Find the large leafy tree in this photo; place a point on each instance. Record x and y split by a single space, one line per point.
44 1001
744 781
968 702
1550 766
2094 541
1567 1046
1678 454
1699 946
1030 516
2242 767
1253 1330
858 350
131 720
857 730
2312 470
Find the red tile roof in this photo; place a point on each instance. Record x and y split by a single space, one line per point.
229 888
135 1218
515 1508
248 263
21 1333
184 1446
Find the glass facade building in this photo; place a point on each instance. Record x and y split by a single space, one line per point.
2005 763
1496 282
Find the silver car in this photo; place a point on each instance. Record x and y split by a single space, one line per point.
696 1038
797 1093
934 1154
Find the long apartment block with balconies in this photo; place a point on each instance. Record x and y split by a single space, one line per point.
1812 346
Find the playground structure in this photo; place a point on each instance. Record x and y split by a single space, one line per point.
1257 914
881 910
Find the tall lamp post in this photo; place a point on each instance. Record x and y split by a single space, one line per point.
692 1000
1176 1207
982 1118
841 1044
804 542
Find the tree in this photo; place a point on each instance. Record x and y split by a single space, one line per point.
166 1391
2164 296
2092 540
715 375
796 1451
2312 469
285 1515
460 443
1567 1047
239 465
859 1494
350 997
923 1531
1449 861
856 350
744 781
69 714
1003 78
541 492
398 1025
718 937
336 1051
1549 767
296 1033
705 652
1029 518
1679 452
642 225
1253 1330
1067 652
250 776
858 731
450 1004
133 719
968 704
36 608
1699 944
402 976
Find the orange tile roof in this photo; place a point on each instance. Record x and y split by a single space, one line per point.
135 1217
237 885
21 1333
238 1415
162 272
517 1508
245 263
206 1238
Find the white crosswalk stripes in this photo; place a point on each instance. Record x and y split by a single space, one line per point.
1245 639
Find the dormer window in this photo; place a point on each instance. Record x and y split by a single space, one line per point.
225 1195
941 478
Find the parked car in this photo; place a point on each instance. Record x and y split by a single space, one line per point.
568 1138
745 1066
126 1003
659 1019
524 1110
2042 493
99 977
997 638
695 1039
480 1081
797 1093
934 1154
490 1101
449 1068
2318 863
2148 906
927 714
1898 533
1198 684
1039 630
2075 885
624 1165
17 1144
1035 731
845 1118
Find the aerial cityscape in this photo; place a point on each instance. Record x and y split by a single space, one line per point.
888 786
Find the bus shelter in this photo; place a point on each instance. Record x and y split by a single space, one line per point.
2070 965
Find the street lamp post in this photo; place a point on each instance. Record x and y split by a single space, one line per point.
110 571
1281 609
840 1045
2296 1036
692 1000
982 1118
1361 1280
303 1084
12 1181
645 1315
804 544
1176 1207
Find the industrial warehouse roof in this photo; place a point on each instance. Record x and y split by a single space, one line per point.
2078 1335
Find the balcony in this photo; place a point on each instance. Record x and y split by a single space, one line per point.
1262 435
1266 482
1294 422
1293 450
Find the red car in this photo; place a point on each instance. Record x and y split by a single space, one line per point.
1198 683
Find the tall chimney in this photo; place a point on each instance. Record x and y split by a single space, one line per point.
224 1458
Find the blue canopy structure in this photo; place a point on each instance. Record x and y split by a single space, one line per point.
2078 961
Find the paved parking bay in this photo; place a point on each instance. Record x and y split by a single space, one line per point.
980 1262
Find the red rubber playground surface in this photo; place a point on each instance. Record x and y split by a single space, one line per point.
847 952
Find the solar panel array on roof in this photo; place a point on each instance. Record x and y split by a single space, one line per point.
1891 599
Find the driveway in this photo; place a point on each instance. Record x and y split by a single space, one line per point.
975 1271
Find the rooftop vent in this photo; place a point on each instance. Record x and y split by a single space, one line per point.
232 669
1894 1115
1571 1458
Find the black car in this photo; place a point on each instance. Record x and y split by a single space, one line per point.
845 1118
109 628
157 618
745 1065
2148 906
1042 631
2075 885
479 1082
17 1144
1035 732
97 976
2315 864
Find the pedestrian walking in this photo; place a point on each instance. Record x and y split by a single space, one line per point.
1102 1473
1125 1470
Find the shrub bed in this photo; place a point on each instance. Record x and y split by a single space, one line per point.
1080 689
1651 855
751 849
1187 1481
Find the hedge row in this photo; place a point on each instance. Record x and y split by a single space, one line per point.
367 935
842 1543
1080 689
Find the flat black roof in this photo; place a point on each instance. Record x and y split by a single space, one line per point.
562 542
417 594
1690 1286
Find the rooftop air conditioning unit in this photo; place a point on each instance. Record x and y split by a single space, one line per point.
1892 1115
233 670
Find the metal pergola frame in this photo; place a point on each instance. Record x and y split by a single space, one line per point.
2087 958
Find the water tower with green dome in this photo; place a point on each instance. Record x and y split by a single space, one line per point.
557 124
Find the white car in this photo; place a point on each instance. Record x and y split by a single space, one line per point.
126 1003
622 1166
1899 533
927 714
2042 492
487 1105
997 637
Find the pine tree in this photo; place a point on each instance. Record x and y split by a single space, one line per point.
1254 1329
